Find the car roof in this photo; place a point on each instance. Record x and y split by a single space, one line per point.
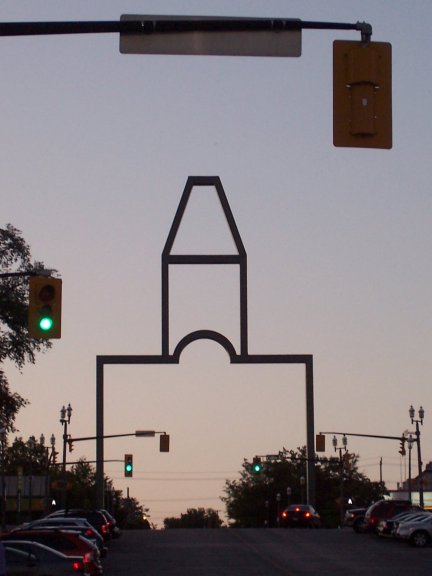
36 544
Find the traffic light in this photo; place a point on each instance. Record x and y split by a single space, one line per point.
44 313
362 98
402 450
128 465
70 443
320 442
256 465
164 443
347 462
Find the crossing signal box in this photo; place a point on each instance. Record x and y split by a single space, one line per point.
362 94
128 465
44 313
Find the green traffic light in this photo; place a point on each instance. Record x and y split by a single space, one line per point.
128 467
257 468
46 323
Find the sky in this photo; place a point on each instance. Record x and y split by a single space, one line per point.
96 149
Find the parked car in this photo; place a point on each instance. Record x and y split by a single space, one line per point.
301 515
387 526
53 522
382 510
32 558
95 517
112 523
69 543
418 532
78 525
354 518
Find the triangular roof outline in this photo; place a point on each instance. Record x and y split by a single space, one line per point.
192 182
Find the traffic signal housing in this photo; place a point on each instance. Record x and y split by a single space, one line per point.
320 442
128 465
362 94
44 313
256 465
402 450
164 443
70 443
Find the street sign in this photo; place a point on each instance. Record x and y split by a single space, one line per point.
208 35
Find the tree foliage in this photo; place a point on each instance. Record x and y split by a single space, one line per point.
252 500
15 343
195 518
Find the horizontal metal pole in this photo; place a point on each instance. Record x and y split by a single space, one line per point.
365 435
151 25
83 438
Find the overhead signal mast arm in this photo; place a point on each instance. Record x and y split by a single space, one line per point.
158 24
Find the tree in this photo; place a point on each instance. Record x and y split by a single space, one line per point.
10 404
253 501
15 343
131 514
195 518
29 455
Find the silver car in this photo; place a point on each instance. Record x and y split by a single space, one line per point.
417 532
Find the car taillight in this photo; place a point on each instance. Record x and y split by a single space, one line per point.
105 528
78 565
307 514
89 532
297 509
284 514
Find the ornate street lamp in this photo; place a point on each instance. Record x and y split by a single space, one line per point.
65 418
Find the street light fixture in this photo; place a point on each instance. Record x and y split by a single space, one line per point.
418 421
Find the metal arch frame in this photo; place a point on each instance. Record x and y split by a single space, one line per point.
242 358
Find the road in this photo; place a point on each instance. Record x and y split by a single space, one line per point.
261 552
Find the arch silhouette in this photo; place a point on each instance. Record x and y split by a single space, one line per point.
204 335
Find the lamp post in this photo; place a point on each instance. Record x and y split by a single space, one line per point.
410 441
418 421
341 490
65 418
302 487
278 501
31 442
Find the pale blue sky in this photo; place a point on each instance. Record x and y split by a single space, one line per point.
96 148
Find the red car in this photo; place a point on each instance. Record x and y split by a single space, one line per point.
382 510
302 515
68 543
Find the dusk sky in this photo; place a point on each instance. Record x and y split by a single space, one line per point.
96 149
